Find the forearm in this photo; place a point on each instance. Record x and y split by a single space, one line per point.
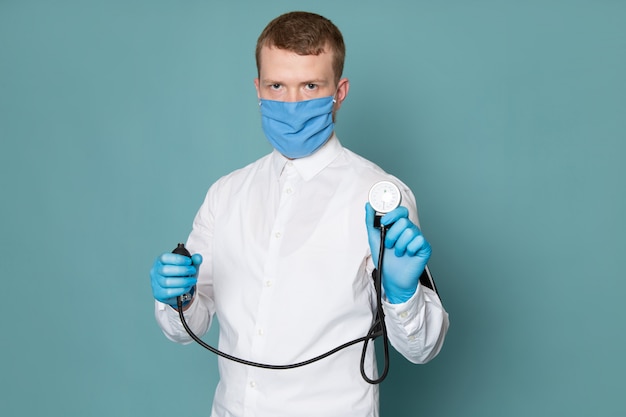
198 315
417 328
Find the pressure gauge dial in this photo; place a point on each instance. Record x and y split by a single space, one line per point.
384 196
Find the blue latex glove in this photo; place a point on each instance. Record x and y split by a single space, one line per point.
406 252
173 275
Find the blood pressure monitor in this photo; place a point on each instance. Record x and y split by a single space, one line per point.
384 196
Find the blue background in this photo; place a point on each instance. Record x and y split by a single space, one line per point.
506 118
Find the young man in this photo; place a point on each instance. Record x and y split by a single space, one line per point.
284 253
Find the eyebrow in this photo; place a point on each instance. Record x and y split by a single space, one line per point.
314 81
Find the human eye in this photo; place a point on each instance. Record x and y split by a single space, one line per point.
275 86
311 87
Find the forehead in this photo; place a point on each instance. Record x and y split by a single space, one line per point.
280 64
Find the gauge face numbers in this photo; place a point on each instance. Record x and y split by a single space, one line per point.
384 196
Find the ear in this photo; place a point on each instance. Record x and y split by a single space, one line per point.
342 92
256 85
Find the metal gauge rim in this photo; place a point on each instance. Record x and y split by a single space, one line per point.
384 196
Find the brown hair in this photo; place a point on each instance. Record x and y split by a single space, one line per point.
305 34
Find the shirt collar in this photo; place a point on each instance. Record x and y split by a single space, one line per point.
311 165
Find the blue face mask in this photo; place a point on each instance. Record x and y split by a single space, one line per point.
297 129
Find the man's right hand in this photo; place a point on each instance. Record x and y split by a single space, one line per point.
173 275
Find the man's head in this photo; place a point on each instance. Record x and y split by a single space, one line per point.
299 86
303 33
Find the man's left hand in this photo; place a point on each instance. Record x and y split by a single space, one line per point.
406 252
